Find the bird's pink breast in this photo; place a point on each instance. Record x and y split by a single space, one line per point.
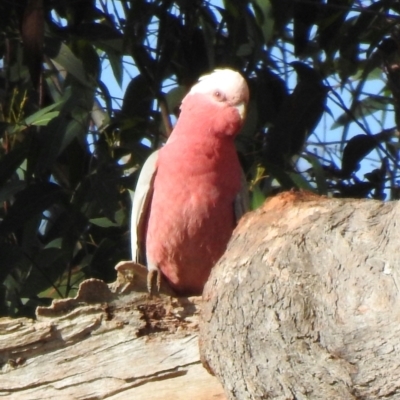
192 216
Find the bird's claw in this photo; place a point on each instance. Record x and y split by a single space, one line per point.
153 275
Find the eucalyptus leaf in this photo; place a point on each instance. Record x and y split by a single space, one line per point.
103 222
363 108
257 198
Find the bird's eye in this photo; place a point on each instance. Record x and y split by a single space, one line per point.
219 95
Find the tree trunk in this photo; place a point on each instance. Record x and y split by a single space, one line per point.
94 347
305 302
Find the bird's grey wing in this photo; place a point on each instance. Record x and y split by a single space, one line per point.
140 206
242 200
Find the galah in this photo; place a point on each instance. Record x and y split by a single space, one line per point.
191 192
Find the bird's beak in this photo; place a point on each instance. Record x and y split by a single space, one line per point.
241 107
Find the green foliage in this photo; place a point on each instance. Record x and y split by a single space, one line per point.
70 152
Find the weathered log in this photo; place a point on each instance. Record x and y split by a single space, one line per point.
99 346
305 302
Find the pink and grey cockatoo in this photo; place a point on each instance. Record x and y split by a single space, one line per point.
191 192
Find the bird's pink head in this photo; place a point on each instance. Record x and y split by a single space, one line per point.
217 103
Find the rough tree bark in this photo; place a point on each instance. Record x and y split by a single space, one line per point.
305 302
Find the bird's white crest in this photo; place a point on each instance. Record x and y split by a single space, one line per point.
227 81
